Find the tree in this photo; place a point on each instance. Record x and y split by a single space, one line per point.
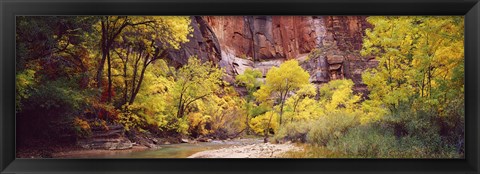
338 94
220 115
151 109
249 79
37 39
420 76
301 105
419 57
140 46
157 33
289 77
195 81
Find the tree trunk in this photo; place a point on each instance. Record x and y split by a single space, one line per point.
265 140
247 126
109 67
135 69
282 102
281 112
125 92
139 84
101 64
179 105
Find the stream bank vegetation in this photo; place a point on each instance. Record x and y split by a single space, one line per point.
79 75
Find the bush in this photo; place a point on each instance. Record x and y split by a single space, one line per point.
331 127
364 141
296 131
379 141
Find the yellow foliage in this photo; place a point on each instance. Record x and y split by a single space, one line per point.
338 94
24 81
419 57
197 123
82 127
288 77
262 123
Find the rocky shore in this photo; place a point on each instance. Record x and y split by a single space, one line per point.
258 150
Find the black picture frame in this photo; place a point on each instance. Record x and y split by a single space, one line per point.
9 9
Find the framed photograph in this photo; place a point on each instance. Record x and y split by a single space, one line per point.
239 86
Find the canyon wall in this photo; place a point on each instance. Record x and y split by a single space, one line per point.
326 46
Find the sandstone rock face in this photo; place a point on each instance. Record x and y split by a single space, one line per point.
326 46
267 37
202 44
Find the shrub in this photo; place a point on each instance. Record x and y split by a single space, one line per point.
296 131
331 127
364 141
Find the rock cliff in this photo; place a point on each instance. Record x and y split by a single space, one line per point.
326 46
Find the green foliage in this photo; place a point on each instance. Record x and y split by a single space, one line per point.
25 82
43 37
249 79
330 117
294 131
60 95
365 142
330 127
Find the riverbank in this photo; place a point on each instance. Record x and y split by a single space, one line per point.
71 151
258 150
97 152
167 150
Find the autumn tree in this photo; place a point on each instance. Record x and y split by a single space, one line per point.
151 110
420 76
338 94
219 115
289 77
53 61
142 45
296 101
250 80
195 81
419 55
170 31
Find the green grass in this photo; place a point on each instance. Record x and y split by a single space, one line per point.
317 151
